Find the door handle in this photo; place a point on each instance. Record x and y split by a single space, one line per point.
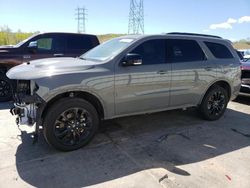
58 55
26 57
162 72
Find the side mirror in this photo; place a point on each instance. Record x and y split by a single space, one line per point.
132 60
33 45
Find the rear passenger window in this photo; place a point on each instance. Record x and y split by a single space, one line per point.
79 42
180 50
152 52
219 51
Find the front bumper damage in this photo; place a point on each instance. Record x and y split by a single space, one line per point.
26 114
27 111
28 106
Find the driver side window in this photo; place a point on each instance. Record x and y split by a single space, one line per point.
152 52
44 44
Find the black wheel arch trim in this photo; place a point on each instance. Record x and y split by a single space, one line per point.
219 83
90 97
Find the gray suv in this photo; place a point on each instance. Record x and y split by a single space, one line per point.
128 75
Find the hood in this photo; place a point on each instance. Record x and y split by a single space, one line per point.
49 67
8 48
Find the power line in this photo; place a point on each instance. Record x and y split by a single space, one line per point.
81 19
136 17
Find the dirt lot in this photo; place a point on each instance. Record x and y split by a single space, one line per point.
168 149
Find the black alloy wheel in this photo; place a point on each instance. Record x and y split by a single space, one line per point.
214 103
70 124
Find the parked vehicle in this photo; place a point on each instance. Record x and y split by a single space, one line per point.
39 46
125 76
245 78
245 53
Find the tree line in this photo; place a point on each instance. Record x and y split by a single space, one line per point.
242 44
7 37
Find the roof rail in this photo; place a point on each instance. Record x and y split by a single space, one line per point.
194 34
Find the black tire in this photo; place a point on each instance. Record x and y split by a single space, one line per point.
59 129
214 103
5 88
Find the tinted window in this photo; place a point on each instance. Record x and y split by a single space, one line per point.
52 44
44 44
58 44
179 50
218 50
79 42
152 52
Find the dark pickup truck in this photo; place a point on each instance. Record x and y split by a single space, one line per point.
44 45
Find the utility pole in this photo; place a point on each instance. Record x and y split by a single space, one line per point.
81 19
136 17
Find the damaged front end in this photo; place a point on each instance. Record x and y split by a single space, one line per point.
26 103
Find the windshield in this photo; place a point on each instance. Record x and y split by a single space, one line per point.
107 50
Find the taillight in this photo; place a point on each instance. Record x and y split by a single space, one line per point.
244 67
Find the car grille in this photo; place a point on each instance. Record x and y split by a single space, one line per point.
245 81
245 74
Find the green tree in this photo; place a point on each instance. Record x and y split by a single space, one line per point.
8 37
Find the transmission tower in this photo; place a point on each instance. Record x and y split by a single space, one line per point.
136 17
81 19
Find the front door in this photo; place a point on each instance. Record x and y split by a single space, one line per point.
144 87
47 46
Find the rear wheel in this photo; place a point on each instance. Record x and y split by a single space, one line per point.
214 103
70 124
5 88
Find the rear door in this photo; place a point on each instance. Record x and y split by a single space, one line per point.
191 72
79 44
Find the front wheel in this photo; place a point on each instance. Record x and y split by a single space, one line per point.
70 124
214 103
